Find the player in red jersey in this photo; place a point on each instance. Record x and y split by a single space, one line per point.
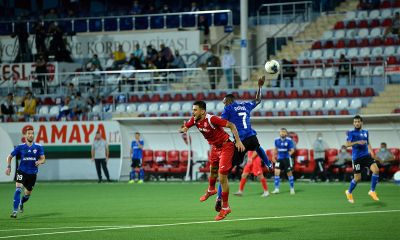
253 166
222 150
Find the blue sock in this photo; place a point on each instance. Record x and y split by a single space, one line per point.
277 181
141 174
261 153
17 198
25 198
291 181
132 175
374 181
219 194
353 185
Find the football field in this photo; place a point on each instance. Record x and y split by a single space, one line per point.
85 210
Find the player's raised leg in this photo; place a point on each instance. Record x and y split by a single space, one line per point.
374 180
261 153
211 183
17 199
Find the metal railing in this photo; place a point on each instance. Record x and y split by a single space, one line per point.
165 19
279 10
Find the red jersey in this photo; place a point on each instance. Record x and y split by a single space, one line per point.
212 129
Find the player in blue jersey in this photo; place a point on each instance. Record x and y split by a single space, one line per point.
32 155
239 114
137 155
284 149
362 156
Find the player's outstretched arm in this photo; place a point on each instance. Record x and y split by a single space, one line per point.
183 128
8 169
235 133
261 82
41 160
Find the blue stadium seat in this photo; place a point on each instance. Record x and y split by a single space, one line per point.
66 26
126 23
95 25
141 23
157 22
188 20
110 24
220 19
173 21
80 25
5 28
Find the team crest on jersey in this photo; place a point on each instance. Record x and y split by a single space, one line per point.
34 151
363 134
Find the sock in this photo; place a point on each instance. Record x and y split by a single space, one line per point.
242 183
261 153
211 182
132 175
25 198
17 198
141 174
264 184
219 193
291 181
353 185
225 196
374 181
277 181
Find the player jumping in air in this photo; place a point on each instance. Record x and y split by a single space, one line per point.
239 114
362 156
32 155
222 150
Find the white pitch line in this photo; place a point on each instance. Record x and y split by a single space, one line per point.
56 228
202 222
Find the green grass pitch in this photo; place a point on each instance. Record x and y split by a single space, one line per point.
84 210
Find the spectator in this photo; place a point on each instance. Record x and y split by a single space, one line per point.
119 57
213 61
165 8
66 110
71 90
166 54
96 62
151 9
70 13
151 54
228 61
178 61
40 38
41 71
288 71
78 106
194 7
385 159
57 46
51 15
204 26
126 75
138 53
136 8
319 148
345 67
110 62
363 5
100 154
341 160
160 62
29 103
24 52
395 27
93 95
7 107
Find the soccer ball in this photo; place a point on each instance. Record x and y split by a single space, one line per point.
272 67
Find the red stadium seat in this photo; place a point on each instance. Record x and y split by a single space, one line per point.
362 24
369 92
364 42
175 114
108 99
340 44
344 112
155 98
145 98
177 97
318 93
160 156
148 157
247 95
330 156
339 25
293 94
331 112
166 97
173 156
343 92
281 114
306 113
189 97
306 93
330 93
392 60
270 154
48 101
376 42
356 92
302 162
319 113
352 43
385 4
374 23
316 45
269 114
386 22
256 114
269 95
328 44
236 95
221 95
294 113
396 153
211 96
281 94
133 99
351 24
200 96
389 41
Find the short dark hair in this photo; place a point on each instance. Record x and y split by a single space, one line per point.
383 143
201 104
28 128
358 117
230 96
284 129
137 133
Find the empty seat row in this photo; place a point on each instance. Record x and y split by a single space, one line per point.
330 72
352 42
316 104
354 33
350 52
377 13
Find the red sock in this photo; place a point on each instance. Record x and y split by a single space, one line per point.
264 184
211 182
225 196
242 183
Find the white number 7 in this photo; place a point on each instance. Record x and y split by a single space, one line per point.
243 114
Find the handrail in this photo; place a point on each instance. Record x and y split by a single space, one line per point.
293 4
204 53
149 16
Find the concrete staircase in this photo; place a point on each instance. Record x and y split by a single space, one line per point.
304 39
385 102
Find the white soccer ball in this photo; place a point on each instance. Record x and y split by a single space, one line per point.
272 67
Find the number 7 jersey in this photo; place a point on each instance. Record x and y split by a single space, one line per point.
239 114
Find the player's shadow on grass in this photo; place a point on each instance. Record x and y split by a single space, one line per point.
42 215
248 232
371 204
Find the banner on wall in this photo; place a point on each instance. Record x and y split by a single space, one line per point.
85 45
65 133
